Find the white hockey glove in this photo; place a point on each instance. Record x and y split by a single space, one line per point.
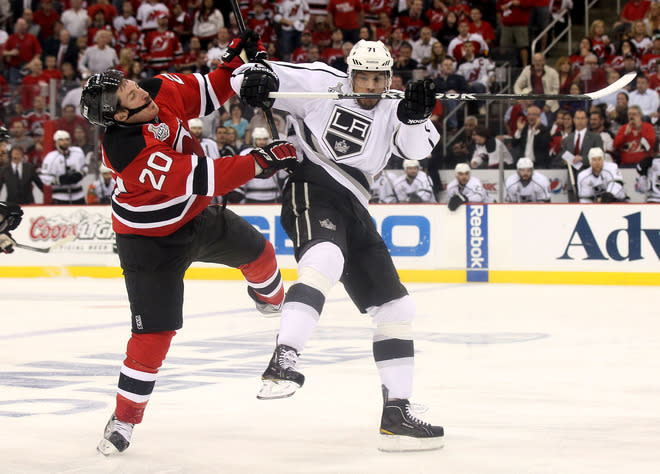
7 243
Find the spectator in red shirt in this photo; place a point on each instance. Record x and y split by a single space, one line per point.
346 15
161 48
182 23
109 11
636 140
34 83
383 30
98 23
70 120
459 7
435 16
301 53
484 28
193 59
45 16
37 115
20 48
374 8
411 20
321 33
335 50
635 10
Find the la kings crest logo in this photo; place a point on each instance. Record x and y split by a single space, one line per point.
346 132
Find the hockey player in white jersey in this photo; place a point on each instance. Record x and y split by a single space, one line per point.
527 185
209 146
602 181
382 189
465 188
262 191
414 185
649 177
343 144
64 169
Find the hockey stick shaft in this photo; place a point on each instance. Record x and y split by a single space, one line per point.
268 115
56 245
394 94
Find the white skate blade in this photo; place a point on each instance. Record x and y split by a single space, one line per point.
273 389
106 448
397 443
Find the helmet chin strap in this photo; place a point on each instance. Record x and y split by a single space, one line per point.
137 110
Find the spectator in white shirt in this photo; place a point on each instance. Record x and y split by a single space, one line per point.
646 98
99 57
422 47
75 19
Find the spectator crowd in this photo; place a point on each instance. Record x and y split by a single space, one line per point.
50 48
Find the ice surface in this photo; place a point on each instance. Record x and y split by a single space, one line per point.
525 379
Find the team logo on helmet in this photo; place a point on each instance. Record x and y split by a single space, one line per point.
346 132
161 131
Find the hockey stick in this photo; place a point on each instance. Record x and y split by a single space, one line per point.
337 94
55 246
571 191
267 112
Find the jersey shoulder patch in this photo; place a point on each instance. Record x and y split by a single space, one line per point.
122 145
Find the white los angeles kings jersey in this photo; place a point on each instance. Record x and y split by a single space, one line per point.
536 190
338 138
473 190
592 187
649 179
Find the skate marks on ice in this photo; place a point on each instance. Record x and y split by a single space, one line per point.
520 383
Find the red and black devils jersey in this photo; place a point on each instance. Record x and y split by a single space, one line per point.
163 178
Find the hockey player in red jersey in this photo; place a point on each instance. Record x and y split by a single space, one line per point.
160 211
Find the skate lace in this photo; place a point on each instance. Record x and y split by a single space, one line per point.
123 428
288 359
413 410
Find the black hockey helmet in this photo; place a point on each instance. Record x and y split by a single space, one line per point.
99 100
4 134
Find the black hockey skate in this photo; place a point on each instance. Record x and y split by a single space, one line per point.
268 310
401 430
116 437
280 379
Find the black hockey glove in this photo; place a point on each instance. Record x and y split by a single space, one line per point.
6 243
606 198
10 216
258 82
455 201
249 42
70 178
278 155
414 197
418 102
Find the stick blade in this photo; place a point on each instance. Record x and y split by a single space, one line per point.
615 86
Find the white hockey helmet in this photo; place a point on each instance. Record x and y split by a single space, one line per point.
410 164
524 163
462 168
260 132
61 135
596 152
370 56
195 123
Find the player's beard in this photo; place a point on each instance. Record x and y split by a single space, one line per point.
367 104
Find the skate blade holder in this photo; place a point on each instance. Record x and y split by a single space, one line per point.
274 389
396 443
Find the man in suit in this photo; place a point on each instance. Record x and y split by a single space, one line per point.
576 145
18 176
63 47
532 139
